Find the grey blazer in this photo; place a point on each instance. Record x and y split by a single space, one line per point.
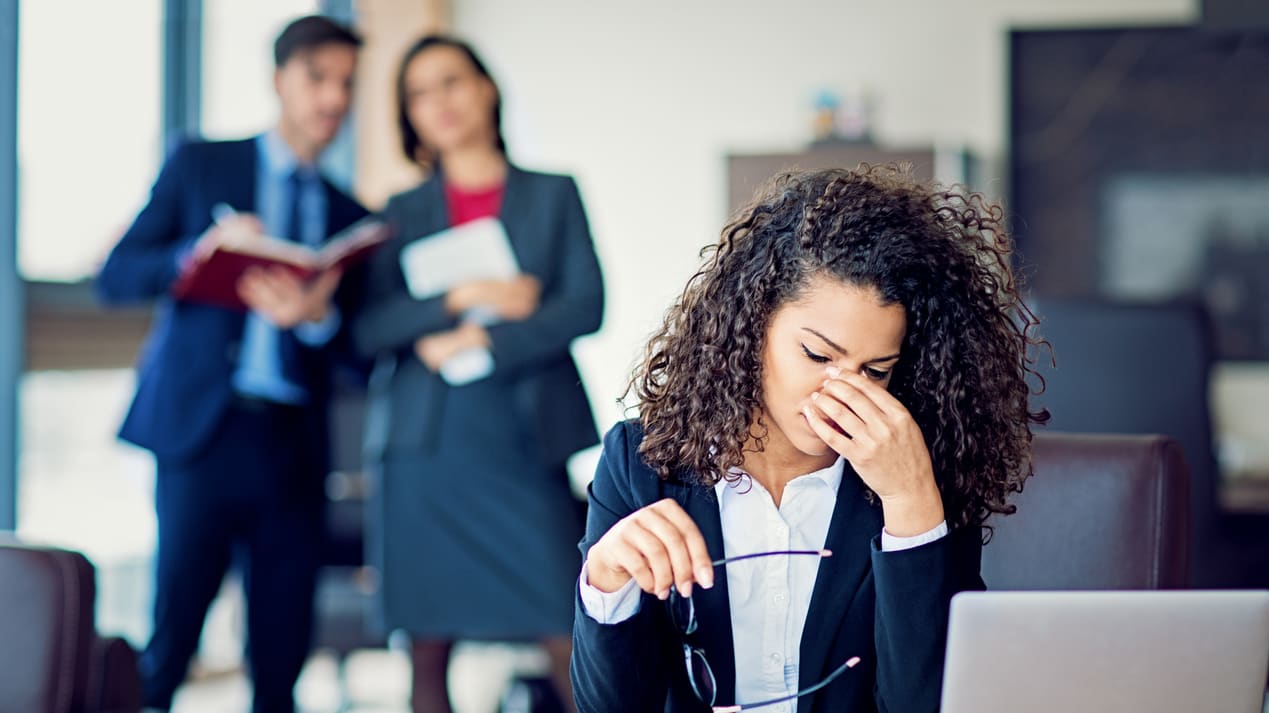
547 227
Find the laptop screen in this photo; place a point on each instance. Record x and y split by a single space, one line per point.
1118 652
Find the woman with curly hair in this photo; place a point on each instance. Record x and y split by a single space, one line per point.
834 407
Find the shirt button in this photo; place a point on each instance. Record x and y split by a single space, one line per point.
775 659
782 531
779 598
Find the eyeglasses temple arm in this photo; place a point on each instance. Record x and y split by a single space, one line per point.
850 663
817 553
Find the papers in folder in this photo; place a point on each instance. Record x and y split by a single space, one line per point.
478 250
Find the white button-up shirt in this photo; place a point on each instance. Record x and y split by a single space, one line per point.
769 597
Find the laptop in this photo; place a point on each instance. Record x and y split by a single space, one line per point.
1107 652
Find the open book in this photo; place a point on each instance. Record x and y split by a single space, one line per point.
214 279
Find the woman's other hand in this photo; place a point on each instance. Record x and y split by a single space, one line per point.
436 349
514 299
659 546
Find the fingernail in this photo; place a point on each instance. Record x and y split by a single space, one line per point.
685 589
705 575
663 594
815 395
833 371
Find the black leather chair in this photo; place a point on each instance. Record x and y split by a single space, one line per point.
1101 512
52 660
1146 368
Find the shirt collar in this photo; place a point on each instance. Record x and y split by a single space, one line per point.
830 476
278 158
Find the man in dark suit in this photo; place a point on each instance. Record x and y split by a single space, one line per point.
233 405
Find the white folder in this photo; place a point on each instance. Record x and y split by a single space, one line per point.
478 250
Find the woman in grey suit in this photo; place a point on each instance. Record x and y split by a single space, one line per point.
476 527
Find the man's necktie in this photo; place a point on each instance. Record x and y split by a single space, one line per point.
290 356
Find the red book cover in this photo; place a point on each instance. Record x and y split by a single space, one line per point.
214 279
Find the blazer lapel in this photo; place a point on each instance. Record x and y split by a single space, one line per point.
517 205
713 612
338 215
430 213
238 184
854 524
237 187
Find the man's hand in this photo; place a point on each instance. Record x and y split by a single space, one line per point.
284 299
236 227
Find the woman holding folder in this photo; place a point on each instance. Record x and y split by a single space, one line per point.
476 402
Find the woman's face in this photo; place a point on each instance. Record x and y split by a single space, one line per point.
448 102
833 324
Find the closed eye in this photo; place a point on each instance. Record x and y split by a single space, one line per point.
876 374
817 358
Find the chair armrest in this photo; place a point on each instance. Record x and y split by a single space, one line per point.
114 684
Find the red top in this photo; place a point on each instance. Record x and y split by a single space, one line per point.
465 206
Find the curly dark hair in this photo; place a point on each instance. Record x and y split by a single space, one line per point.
941 253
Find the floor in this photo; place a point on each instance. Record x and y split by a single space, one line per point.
375 682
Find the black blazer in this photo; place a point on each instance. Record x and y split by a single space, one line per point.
184 378
547 226
888 608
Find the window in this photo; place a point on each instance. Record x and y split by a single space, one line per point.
238 35
88 129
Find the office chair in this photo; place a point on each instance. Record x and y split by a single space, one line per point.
1146 368
52 659
1101 512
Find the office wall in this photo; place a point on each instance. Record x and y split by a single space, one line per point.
641 101
388 27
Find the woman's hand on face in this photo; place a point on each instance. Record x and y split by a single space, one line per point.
659 546
859 419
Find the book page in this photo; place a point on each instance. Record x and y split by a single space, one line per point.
362 235
267 246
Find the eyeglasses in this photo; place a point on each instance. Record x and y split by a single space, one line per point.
700 675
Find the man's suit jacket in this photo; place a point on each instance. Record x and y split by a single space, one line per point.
184 377
888 608
547 227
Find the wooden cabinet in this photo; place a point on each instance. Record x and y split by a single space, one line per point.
746 172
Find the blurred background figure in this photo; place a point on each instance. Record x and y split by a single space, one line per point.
473 521
233 405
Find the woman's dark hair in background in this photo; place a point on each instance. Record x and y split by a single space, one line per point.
309 33
941 253
412 144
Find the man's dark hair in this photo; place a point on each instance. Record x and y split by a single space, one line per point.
309 33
